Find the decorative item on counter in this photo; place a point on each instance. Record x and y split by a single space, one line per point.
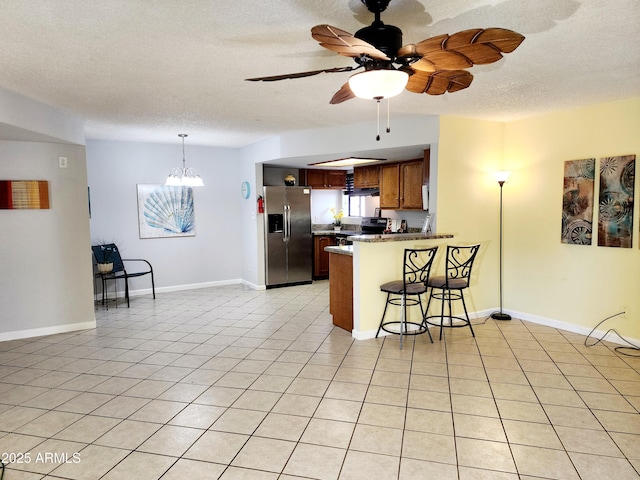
337 218
290 181
426 228
403 227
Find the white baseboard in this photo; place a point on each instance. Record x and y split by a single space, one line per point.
189 286
40 332
569 327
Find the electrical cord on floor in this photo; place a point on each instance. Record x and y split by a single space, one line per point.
2 474
621 349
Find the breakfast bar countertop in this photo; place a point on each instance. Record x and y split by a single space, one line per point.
340 249
334 232
397 237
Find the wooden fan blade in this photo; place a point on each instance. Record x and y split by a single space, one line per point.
425 46
344 43
300 74
462 50
345 93
442 60
504 40
438 83
482 46
434 55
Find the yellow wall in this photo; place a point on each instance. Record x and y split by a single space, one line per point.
469 152
544 280
570 283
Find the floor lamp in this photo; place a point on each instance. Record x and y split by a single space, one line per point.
501 177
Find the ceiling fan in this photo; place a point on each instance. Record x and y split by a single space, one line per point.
434 66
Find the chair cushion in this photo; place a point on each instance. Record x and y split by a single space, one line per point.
397 287
454 283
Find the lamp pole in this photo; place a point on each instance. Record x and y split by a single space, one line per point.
501 177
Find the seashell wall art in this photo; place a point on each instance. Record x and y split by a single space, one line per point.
165 211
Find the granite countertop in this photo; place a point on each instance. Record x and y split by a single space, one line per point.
397 237
341 250
333 232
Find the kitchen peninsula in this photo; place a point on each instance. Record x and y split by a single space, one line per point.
371 261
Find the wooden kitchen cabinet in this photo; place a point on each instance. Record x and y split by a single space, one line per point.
390 186
326 179
411 185
341 290
401 185
366 177
320 257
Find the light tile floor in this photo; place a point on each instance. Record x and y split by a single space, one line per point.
233 383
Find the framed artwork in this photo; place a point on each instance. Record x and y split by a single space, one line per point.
165 211
615 202
577 201
24 194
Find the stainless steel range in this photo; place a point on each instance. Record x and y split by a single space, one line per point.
373 225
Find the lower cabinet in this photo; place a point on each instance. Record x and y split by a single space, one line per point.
341 290
320 257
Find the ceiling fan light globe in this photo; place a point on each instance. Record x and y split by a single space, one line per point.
377 84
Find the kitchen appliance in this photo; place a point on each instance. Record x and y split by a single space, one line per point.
288 241
341 239
373 225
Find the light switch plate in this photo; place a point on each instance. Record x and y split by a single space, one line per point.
62 162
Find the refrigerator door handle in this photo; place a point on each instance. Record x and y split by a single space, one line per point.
284 223
287 222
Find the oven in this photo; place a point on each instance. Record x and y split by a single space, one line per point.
373 225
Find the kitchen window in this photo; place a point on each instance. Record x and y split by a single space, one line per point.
356 206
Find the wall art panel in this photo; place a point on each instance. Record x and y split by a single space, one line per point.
577 201
615 209
166 211
23 194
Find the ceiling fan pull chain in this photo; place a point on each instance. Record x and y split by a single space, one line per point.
388 115
377 99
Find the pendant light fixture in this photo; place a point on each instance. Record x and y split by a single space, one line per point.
184 177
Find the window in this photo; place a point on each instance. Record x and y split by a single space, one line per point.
356 206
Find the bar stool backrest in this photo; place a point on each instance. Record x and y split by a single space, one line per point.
417 265
460 261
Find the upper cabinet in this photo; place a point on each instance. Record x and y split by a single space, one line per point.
401 185
411 185
390 186
326 179
366 177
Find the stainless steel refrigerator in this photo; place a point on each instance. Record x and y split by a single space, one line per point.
288 242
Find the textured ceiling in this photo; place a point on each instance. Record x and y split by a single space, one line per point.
147 70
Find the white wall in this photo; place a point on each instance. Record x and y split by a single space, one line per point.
22 118
214 255
322 201
45 278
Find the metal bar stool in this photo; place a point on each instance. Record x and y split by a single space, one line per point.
449 287
407 292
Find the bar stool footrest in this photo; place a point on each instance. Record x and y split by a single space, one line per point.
421 328
463 322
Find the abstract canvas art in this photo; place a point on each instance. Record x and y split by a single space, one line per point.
577 201
165 211
615 202
24 194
